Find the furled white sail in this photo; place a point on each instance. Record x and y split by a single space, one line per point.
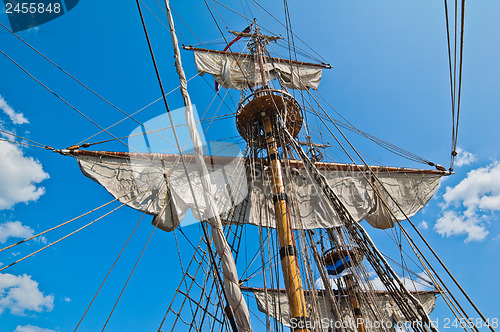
241 71
230 278
156 184
277 307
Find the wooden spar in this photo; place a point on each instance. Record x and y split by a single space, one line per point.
266 58
351 287
335 291
223 160
288 248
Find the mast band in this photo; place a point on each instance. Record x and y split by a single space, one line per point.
289 250
280 197
273 156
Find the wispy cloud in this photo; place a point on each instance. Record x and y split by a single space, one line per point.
19 176
423 225
15 229
15 117
464 157
19 294
31 328
467 205
454 223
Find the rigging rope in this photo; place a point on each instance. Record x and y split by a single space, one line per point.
131 273
39 145
418 232
457 55
60 225
60 98
64 237
109 272
205 233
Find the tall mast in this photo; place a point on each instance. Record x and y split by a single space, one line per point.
271 104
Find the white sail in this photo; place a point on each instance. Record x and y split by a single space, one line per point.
156 184
241 71
411 190
277 307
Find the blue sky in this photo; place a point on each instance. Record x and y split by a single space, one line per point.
389 78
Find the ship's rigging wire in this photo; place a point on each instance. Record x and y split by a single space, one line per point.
73 78
132 271
63 100
109 272
78 111
38 145
454 142
220 117
106 130
59 240
205 233
386 145
62 224
67 222
454 73
339 141
420 235
263 28
21 143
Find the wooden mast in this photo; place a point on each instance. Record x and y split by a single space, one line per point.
288 249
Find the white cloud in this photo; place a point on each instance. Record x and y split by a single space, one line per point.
67 299
464 158
467 204
453 223
19 294
423 225
14 229
16 118
19 176
31 328
479 190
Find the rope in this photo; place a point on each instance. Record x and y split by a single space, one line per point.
59 97
60 225
38 145
73 78
231 287
420 234
64 237
386 145
131 273
20 143
456 97
205 233
109 272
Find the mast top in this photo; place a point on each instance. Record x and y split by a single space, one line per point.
255 34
